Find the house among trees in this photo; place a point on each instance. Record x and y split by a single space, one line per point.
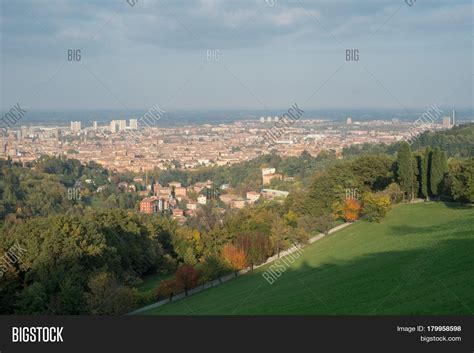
268 174
149 205
271 194
252 196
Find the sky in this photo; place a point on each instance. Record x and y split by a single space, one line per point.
239 54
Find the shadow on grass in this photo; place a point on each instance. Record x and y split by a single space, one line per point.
446 228
459 206
421 281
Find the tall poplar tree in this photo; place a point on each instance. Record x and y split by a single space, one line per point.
425 172
405 172
416 160
439 167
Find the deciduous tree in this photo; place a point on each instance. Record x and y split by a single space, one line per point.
279 236
187 277
167 288
212 268
235 257
352 210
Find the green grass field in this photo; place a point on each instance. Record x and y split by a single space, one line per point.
419 260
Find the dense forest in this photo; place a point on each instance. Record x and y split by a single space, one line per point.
86 255
44 187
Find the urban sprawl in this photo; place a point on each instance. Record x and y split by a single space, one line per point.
131 146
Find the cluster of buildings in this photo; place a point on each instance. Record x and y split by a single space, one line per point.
113 127
176 200
123 145
269 119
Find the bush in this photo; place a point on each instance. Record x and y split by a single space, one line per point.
376 206
187 277
145 298
166 289
394 193
213 268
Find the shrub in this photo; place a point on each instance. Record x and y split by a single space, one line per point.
166 289
376 206
187 277
213 268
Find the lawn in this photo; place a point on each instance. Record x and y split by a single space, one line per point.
419 260
150 282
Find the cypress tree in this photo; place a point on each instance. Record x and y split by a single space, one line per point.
425 171
416 176
439 167
405 173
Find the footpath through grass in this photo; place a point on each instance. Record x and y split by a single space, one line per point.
419 260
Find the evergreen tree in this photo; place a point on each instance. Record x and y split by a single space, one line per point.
439 167
416 175
425 172
405 173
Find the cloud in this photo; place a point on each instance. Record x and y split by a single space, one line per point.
158 45
220 24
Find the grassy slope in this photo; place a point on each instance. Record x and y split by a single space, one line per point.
419 260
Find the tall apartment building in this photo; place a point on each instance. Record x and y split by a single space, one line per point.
24 131
75 126
113 127
122 125
447 121
94 125
133 124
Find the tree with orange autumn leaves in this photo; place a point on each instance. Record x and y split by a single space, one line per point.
187 277
235 257
352 209
167 288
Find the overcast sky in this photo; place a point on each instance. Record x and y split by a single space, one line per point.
271 54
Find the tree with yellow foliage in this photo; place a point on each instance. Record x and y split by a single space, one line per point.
376 206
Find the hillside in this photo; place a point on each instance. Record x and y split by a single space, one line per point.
419 260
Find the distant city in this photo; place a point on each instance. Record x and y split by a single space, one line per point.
137 145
